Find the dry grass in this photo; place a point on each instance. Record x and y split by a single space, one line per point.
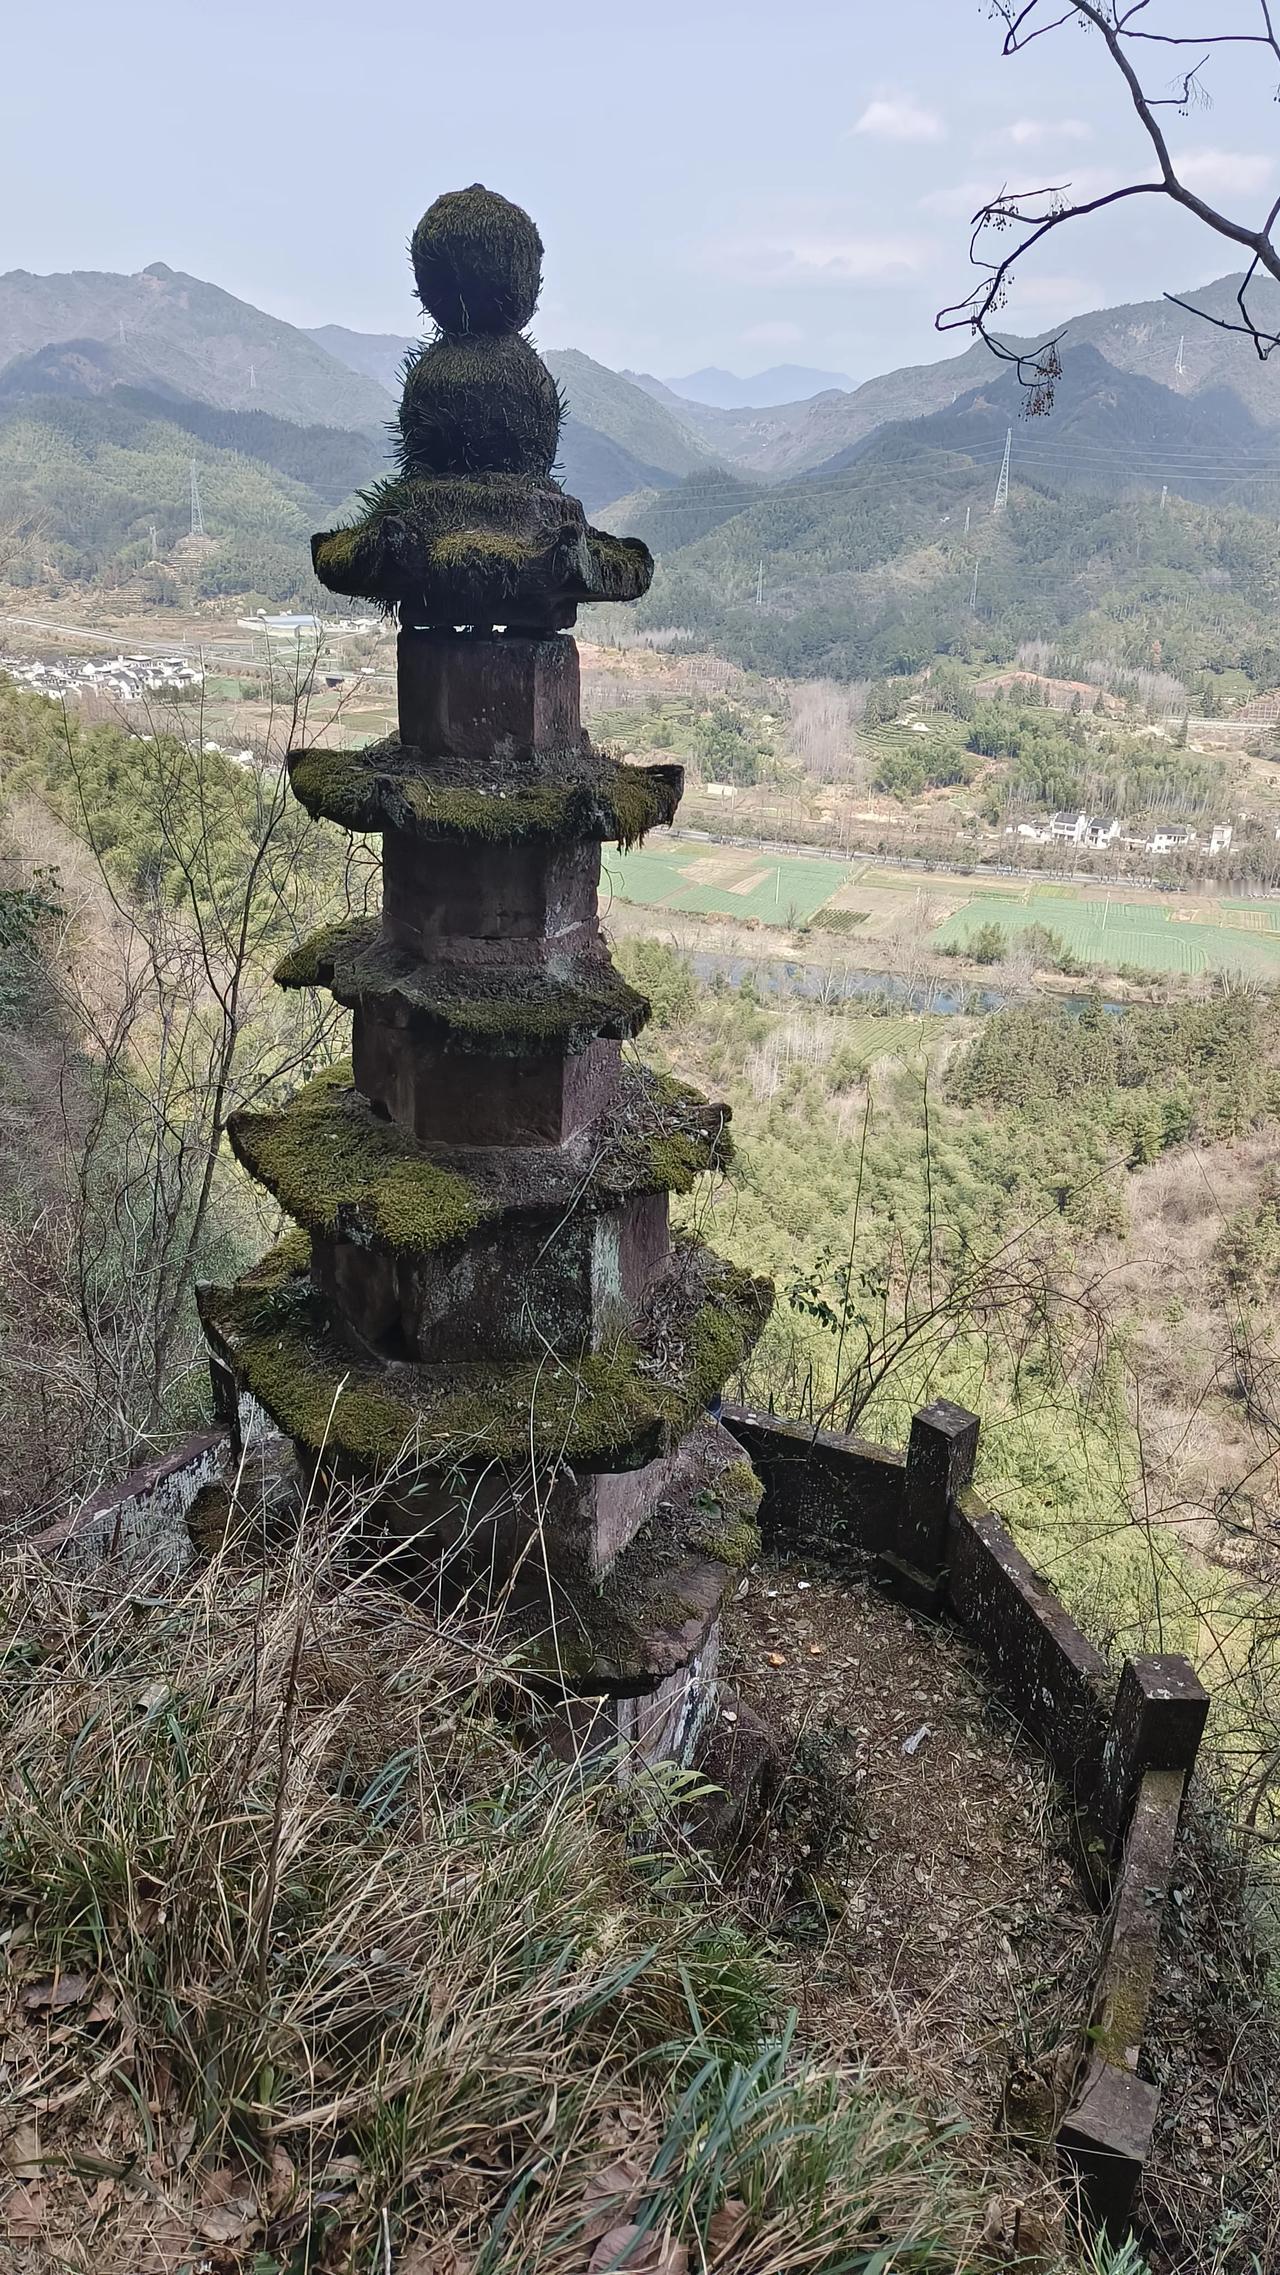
310 1964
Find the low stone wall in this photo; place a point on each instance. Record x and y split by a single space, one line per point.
1125 1751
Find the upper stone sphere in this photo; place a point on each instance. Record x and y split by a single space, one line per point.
477 260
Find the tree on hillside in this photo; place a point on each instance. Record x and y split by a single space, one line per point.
1140 36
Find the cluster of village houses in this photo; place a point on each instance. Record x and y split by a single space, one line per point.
128 678
1098 832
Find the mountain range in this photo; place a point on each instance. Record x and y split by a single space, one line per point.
839 500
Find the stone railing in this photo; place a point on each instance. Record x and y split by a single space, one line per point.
1124 1750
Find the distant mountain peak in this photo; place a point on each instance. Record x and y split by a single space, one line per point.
761 390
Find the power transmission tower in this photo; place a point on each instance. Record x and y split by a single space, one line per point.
197 511
973 596
760 586
253 376
1164 495
1002 486
155 549
967 512
1180 366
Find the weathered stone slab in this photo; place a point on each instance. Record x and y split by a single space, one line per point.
941 1454
465 698
1105 2140
464 903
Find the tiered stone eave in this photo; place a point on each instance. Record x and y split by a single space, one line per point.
613 1410
500 1009
495 545
647 1616
341 1170
576 795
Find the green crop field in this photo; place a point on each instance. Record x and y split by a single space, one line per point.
724 880
1113 932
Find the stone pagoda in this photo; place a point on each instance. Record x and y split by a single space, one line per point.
483 1313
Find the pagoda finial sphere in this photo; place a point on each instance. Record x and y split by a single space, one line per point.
477 261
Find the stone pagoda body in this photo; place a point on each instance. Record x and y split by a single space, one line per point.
483 1311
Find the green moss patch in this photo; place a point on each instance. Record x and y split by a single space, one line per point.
311 963
390 786
337 1168
420 544
614 1409
477 261
342 1171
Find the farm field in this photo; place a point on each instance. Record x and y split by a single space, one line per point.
1185 935
1159 932
724 880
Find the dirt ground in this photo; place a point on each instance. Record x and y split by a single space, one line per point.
917 1870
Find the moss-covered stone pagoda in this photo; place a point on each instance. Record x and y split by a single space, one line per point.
483 1308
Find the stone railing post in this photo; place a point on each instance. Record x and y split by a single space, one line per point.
1157 1723
940 1458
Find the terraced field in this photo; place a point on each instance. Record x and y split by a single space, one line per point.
1182 932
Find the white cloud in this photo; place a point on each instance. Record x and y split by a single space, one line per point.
1225 173
1028 133
772 335
843 258
897 118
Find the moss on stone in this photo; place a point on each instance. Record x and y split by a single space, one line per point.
390 786
311 963
504 1012
337 1168
418 547
614 1409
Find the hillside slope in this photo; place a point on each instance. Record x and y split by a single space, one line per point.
171 332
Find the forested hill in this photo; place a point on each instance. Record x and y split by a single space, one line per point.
83 480
175 333
897 555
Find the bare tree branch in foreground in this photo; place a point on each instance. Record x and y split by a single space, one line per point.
1130 31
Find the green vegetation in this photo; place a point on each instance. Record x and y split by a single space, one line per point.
477 262
82 482
389 784
729 740
867 571
608 1408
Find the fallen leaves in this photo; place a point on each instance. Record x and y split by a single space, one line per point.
633 2250
55 1992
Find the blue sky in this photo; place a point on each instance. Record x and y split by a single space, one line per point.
716 180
